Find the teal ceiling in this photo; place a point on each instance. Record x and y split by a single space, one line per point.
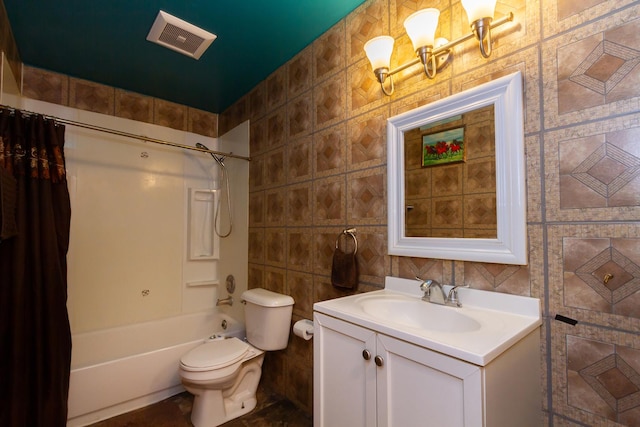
105 42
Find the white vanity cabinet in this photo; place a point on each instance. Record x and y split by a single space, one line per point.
366 378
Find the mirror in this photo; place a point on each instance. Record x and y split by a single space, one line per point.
456 177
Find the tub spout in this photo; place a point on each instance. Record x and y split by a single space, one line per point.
225 301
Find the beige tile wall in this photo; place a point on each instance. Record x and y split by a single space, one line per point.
85 95
319 147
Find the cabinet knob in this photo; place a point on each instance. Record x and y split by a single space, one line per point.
379 360
366 354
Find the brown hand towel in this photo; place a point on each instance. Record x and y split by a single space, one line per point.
344 271
8 196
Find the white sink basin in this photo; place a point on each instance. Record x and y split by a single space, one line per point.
414 313
485 326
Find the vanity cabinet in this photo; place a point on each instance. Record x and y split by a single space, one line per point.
366 378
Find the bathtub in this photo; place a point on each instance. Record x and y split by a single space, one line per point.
117 370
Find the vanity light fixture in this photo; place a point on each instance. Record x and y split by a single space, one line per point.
431 52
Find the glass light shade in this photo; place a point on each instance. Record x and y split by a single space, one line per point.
379 50
478 9
421 27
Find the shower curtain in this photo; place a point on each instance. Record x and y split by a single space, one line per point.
35 338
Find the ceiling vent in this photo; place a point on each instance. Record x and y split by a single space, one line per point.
178 35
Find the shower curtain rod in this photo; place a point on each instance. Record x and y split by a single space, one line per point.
126 134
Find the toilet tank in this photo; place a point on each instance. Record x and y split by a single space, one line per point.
267 317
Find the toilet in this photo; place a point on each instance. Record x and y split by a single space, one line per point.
223 373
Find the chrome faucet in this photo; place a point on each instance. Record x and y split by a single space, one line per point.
436 296
434 292
225 301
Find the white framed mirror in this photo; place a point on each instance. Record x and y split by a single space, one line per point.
483 218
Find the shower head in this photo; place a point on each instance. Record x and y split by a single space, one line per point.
219 160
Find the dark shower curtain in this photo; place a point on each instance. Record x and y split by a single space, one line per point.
35 338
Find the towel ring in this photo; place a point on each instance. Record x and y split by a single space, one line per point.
349 232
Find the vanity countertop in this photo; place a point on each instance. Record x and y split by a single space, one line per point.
486 325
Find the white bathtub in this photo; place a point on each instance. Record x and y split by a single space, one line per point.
117 370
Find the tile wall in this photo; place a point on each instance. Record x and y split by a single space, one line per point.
318 145
85 95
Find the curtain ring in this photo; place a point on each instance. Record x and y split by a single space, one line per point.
349 232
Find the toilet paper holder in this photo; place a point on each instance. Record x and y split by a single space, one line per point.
304 329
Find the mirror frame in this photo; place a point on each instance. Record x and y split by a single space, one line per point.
510 246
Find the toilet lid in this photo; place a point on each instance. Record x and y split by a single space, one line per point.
215 354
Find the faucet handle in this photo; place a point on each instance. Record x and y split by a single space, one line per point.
425 286
452 297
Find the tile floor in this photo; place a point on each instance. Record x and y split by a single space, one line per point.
272 411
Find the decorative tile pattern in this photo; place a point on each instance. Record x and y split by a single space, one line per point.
275 207
329 201
258 137
202 122
426 268
276 278
364 92
597 375
373 261
562 15
589 254
330 151
590 70
276 88
300 73
610 277
170 115
89 96
300 249
130 105
257 102
256 173
367 197
274 168
510 279
369 20
299 204
329 52
299 163
609 171
324 243
367 137
276 128
256 209
275 250
45 86
593 171
329 102
256 245
301 286
299 115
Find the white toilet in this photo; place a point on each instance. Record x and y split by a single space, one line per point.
223 373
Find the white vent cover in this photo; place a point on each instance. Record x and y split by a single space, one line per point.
178 35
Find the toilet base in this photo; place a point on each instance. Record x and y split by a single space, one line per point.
212 407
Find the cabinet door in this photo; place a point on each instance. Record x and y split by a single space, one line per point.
420 387
344 381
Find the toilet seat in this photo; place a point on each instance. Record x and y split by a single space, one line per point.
214 355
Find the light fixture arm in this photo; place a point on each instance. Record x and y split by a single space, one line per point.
482 30
381 76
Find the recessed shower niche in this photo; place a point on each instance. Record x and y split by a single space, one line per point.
203 242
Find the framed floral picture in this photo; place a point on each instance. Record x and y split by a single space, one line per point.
443 147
